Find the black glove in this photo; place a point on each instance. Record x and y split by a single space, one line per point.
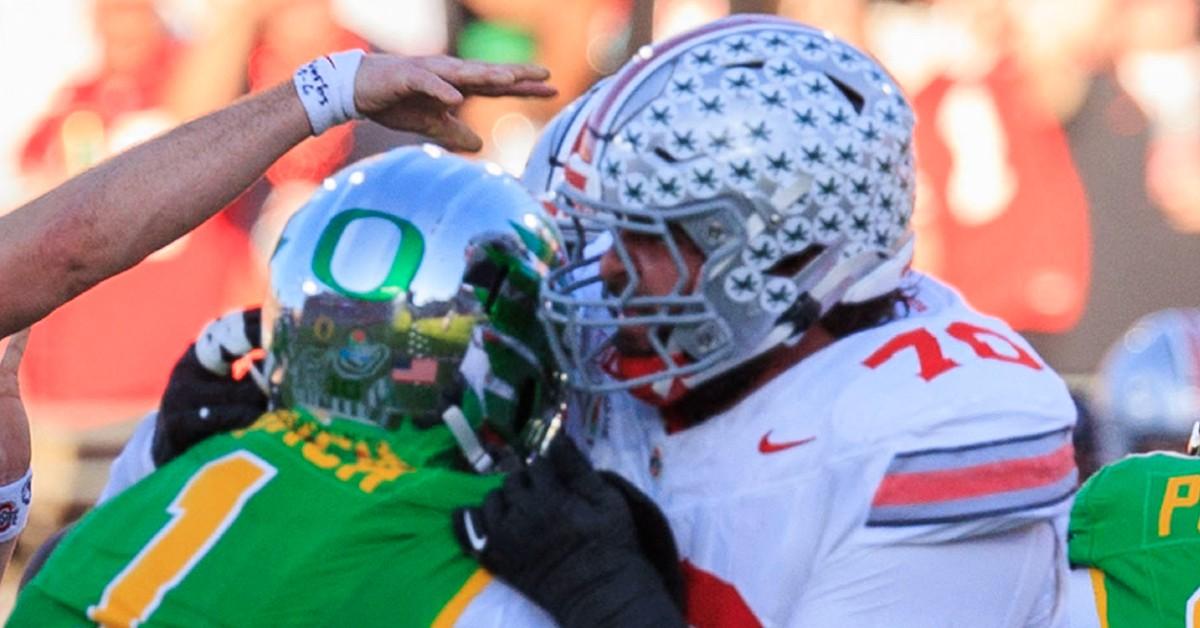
565 536
655 540
204 396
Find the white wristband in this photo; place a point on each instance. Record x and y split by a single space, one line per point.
14 507
326 89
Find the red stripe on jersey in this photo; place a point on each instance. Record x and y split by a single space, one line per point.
714 603
900 489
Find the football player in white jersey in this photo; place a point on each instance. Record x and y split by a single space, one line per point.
834 440
844 443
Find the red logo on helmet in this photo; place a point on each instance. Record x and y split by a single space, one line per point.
580 160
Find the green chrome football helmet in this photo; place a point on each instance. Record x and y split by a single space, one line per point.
405 293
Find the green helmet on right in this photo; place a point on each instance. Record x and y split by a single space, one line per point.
404 295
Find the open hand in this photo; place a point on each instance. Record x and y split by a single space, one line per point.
419 94
14 423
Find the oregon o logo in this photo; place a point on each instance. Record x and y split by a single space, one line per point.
404 264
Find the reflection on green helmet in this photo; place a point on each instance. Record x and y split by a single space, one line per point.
406 289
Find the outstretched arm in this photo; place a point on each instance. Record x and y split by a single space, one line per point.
112 216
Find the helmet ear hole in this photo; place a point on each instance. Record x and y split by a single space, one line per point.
792 263
749 65
665 155
855 98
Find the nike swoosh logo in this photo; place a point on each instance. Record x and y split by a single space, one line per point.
477 541
767 447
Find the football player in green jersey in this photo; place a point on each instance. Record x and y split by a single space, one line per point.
405 361
1134 536
112 216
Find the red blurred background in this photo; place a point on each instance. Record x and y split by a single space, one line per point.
1058 146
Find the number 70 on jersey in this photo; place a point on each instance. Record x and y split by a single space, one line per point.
932 360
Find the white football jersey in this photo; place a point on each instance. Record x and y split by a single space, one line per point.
931 451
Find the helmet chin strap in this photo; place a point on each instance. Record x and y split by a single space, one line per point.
885 276
861 278
260 378
468 442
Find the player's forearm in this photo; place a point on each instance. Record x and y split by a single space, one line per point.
114 215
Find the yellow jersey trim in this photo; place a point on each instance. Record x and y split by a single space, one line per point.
1101 595
457 604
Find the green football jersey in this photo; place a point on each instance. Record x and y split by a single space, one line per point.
1136 526
285 523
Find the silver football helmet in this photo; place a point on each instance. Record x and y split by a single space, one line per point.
1147 392
403 294
761 140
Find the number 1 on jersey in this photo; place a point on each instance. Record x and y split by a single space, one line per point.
200 514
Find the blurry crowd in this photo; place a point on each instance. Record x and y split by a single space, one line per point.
1058 146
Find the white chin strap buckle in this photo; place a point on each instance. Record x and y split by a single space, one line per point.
468 442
